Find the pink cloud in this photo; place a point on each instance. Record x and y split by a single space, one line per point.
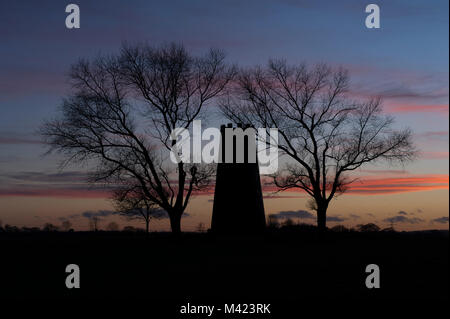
410 108
434 155
370 185
52 192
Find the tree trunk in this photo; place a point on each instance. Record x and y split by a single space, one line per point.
147 221
175 223
322 216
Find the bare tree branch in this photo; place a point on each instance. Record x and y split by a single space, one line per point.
123 110
323 133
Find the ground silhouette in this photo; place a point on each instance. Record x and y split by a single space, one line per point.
283 266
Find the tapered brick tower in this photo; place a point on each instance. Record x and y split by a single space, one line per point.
238 204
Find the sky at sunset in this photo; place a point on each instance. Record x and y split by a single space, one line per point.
405 62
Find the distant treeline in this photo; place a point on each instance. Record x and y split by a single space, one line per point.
65 227
287 225
290 224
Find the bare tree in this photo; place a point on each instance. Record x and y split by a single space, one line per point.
66 225
49 227
112 226
132 203
94 222
370 227
273 221
201 227
123 110
323 133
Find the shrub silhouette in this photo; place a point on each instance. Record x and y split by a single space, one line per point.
366 228
340 229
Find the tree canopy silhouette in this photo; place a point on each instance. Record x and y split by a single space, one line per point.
323 132
122 111
131 202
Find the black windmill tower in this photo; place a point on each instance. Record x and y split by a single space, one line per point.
238 203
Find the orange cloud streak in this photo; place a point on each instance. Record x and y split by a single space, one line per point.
369 185
376 186
366 185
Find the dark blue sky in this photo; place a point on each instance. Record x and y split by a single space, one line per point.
412 45
405 62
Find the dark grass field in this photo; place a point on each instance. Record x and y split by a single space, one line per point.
283 267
